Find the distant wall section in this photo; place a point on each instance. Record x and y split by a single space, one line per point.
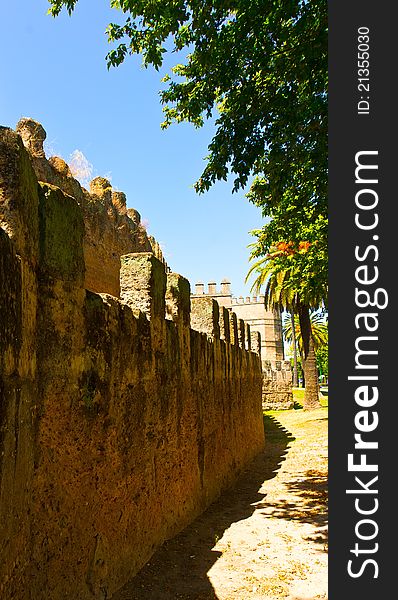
251 312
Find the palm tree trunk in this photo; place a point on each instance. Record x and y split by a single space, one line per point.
294 342
311 395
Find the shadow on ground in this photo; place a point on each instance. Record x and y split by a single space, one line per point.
178 570
311 506
311 490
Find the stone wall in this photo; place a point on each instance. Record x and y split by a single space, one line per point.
119 423
277 385
111 229
251 313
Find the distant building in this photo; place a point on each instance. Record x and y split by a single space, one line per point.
254 312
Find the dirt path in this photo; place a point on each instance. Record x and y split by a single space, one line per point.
265 538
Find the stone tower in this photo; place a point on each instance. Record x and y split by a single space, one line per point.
254 312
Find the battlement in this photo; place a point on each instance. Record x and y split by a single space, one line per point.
253 311
123 415
224 292
110 228
249 300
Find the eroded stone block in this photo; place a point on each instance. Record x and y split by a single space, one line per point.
233 328
241 333
205 316
178 301
143 283
224 325
255 342
61 235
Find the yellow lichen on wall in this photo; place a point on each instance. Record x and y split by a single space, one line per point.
118 425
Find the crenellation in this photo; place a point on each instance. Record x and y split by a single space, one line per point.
33 136
241 333
255 342
178 300
61 236
101 188
212 287
225 287
247 336
134 215
114 410
224 325
205 316
199 288
143 284
262 334
19 201
233 328
111 230
119 201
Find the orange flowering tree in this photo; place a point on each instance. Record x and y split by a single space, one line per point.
289 261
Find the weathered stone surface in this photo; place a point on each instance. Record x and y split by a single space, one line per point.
33 136
242 333
205 316
255 327
254 312
233 328
178 300
248 340
277 385
119 201
118 426
255 341
109 230
224 325
143 284
18 195
19 400
61 235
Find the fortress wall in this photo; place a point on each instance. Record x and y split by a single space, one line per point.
118 425
111 229
19 249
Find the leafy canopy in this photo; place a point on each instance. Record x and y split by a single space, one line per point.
260 66
290 257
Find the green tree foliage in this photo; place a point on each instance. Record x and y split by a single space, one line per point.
319 330
281 291
322 360
260 65
260 68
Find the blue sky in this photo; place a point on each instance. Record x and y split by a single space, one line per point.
54 71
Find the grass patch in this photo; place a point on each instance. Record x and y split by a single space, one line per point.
298 398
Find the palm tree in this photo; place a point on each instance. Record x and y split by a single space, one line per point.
280 292
293 340
319 330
